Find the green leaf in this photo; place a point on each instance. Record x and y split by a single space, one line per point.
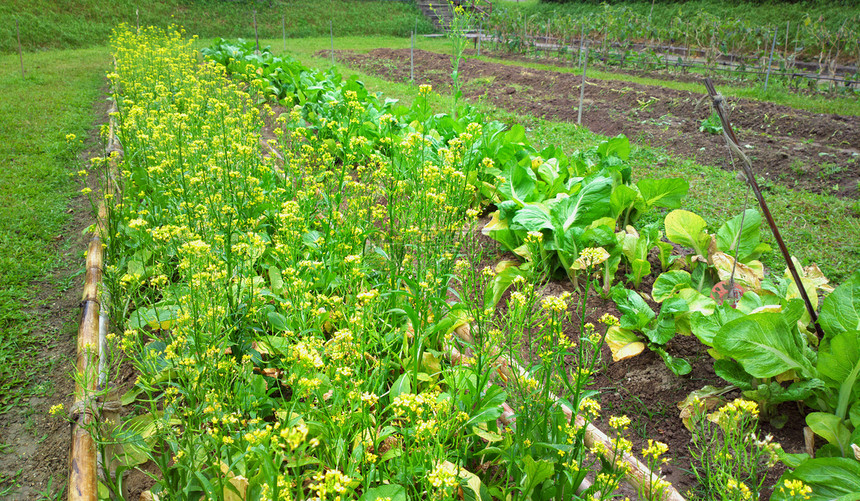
581 209
157 317
533 218
841 309
517 134
733 373
839 366
636 313
728 234
501 282
535 473
277 321
668 283
763 344
830 428
276 279
394 492
685 228
622 198
401 385
489 436
679 366
666 193
617 146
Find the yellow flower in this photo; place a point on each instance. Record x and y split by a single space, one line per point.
796 489
425 89
590 257
57 409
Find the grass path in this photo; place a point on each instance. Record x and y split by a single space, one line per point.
40 264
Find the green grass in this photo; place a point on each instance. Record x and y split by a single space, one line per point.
62 24
36 113
816 228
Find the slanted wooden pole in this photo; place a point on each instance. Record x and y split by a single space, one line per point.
734 145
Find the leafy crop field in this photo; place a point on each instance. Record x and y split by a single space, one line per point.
320 291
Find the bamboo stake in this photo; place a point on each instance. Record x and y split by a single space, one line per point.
582 88
20 54
770 60
256 35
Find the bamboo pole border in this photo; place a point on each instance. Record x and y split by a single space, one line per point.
83 464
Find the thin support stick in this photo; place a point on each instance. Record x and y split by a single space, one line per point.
732 141
284 30
769 61
137 18
20 54
412 60
785 50
331 34
582 88
256 36
581 41
480 34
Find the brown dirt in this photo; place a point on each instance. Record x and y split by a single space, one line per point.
813 152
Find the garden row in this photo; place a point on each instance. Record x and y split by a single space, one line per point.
314 322
619 35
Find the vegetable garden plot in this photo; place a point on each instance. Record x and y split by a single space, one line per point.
292 320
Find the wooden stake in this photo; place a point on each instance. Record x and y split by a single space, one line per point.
20 54
582 88
331 34
412 60
137 18
284 30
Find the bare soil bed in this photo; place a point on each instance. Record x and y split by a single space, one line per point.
798 149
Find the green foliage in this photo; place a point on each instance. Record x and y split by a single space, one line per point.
712 124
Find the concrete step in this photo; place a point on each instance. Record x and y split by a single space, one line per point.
437 11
